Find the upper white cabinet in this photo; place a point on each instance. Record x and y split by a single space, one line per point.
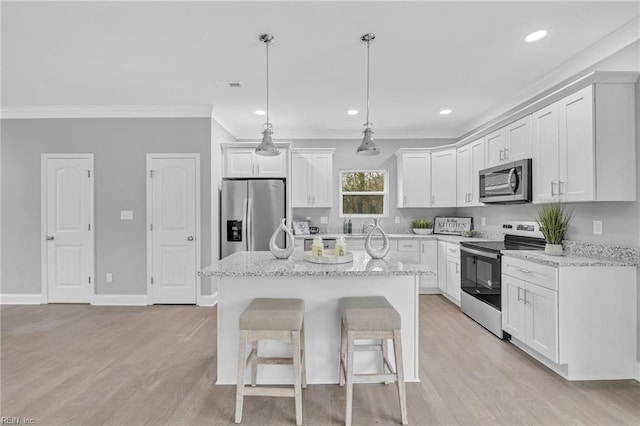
584 146
312 178
443 182
414 179
509 143
244 162
469 163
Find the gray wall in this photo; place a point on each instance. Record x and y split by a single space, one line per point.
119 147
346 158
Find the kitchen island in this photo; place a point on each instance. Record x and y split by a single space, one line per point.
244 276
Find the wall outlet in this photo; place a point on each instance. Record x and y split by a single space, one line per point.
307 218
126 215
323 219
109 277
397 219
597 227
483 221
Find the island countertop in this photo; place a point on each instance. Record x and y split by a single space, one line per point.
264 264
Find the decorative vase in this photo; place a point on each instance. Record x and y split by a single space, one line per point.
553 249
282 253
377 253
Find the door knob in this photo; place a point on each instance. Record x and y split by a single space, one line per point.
189 238
49 237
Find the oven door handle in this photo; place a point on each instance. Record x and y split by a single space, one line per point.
480 253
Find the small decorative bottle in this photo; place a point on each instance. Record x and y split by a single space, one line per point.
282 253
377 253
317 248
341 247
349 226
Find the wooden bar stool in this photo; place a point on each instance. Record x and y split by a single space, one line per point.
273 319
370 317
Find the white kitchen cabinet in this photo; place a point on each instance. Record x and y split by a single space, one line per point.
244 162
509 143
561 316
429 257
312 178
442 266
469 163
584 146
453 278
414 179
443 178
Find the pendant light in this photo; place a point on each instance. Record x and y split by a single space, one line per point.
368 146
266 147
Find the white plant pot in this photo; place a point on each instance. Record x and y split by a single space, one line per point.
553 249
422 231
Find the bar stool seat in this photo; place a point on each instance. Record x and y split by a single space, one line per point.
370 317
274 319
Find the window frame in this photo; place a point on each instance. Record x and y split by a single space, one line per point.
385 194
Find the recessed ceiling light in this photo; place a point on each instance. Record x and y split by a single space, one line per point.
445 112
353 112
260 112
535 36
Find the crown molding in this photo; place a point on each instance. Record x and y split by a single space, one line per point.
108 111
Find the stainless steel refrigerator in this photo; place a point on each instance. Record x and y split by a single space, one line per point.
250 211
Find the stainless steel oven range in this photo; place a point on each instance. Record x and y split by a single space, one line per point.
481 296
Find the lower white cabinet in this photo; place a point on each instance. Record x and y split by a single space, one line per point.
442 266
453 278
429 257
449 270
580 321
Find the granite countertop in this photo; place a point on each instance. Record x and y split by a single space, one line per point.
439 237
264 264
567 259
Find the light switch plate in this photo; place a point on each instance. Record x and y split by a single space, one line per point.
307 217
597 227
397 219
109 277
126 214
323 219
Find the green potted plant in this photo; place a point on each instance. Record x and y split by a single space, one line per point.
422 226
554 222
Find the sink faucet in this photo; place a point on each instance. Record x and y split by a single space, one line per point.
367 227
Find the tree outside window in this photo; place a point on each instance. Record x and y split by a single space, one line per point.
363 193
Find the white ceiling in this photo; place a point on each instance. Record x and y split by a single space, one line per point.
467 56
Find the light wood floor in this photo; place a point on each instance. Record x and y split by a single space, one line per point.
91 365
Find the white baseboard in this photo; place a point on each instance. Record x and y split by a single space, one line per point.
208 299
120 300
638 372
20 299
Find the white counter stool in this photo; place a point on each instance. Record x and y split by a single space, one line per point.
273 319
371 317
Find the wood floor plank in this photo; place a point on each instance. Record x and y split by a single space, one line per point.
100 365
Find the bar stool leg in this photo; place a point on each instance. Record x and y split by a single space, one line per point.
295 341
304 357
254 363
349 379
402 395
385 355
343 353
240 379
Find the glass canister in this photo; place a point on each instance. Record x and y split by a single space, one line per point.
341 247
317 248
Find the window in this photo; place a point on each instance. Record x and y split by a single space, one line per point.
364 193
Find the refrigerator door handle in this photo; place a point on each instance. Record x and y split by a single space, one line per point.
245 224
249 224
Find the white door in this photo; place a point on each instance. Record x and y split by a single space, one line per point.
453 278
494 144
429 257
542 320
321 180
513 313
300 180
416 176
68 214
239 162
518 140
464 178
442 266
443 178
173 228
477 164
271 166
545 160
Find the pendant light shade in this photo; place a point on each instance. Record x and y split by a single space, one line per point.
266 147
368 146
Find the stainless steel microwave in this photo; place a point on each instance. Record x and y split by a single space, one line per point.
507 183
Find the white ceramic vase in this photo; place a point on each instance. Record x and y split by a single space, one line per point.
553 249
377 253
423 231
282 253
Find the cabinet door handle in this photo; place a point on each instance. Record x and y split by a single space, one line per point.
501 155
313 200
552 183
506 155
433 199
519 290
404 200
560 187
308 200
525 296
524 271
457 268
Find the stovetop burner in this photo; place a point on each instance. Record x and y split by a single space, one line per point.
520 236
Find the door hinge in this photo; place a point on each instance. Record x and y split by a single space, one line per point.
89 173
151 280
89 280
151 227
